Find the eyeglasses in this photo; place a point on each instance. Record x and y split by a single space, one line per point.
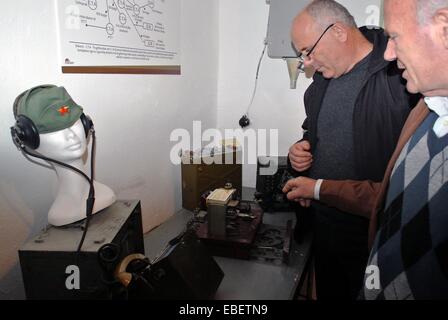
305 55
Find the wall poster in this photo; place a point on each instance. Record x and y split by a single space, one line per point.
119 36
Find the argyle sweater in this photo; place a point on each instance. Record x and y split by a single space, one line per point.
410 251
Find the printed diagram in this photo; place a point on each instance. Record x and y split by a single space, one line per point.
143 18
119 32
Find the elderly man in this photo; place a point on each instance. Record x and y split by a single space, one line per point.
355 108
409 215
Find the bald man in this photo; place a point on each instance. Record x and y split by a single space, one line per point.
408 210
356 107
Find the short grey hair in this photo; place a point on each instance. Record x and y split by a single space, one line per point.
427 8
326 12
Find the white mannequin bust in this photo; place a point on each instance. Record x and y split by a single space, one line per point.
70 147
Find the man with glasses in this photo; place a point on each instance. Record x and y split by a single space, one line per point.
356 107
408 209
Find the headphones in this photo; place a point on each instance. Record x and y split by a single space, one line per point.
24 133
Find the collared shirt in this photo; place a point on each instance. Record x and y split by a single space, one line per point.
439 105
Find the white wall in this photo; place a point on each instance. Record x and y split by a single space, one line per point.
133 115
242 30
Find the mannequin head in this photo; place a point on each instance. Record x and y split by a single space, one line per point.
51 126
64 145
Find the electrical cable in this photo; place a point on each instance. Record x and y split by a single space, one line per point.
256 80
91 198
244 121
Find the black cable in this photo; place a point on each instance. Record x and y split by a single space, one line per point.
55 161
91 198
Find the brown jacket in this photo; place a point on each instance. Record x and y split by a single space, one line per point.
366 198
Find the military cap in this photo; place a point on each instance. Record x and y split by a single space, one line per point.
49 107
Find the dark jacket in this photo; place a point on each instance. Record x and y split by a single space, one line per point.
380 112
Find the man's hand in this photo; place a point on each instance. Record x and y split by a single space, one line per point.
301 190
300 157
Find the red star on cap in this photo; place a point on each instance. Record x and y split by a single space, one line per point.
64 110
